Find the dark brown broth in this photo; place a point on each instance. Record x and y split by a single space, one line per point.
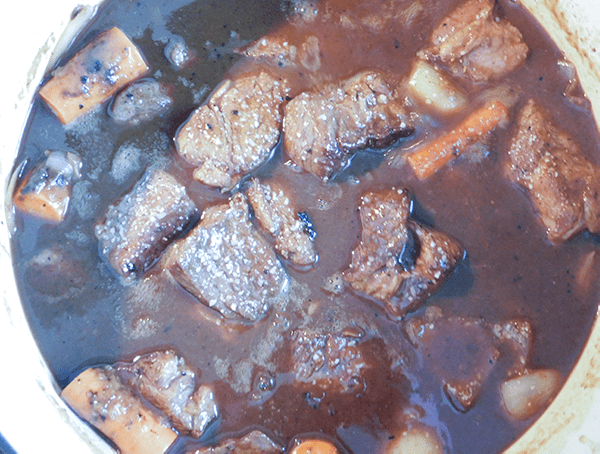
511 269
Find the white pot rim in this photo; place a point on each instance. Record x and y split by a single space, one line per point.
33 417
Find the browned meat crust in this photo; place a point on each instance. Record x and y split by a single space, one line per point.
464 363
473 41
227 264
550 166
398 261
167 383
141 226
331 361
235 131
323 128
276 214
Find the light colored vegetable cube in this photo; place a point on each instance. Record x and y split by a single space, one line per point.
432 87
416 440
45 192
526 395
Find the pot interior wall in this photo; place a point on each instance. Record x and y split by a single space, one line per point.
33 415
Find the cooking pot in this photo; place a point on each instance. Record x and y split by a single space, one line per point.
32 416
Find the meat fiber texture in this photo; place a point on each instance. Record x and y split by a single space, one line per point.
322 129
140 227
228 265
275 213
100 396
332 361
398 261
472 41
167 383
562 184
235 131
251 443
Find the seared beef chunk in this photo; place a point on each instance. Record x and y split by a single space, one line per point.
251 443
276 214
332 361
463 352
235 131
398 261
473 41
519 335
277 50
227 264
550 166
167 383
141 101
323 128
141 226
101 397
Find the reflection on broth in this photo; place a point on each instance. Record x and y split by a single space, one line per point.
333 226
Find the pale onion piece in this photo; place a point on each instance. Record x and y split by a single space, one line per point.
315 447
526 395
45 192
416 440
98 396
93 75
432 87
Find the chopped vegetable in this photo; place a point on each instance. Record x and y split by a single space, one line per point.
93 75
315 447
430 158
526 395
46 191
432 87
98 396
416 440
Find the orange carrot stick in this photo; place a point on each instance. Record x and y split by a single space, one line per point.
430 158
93 75
98 396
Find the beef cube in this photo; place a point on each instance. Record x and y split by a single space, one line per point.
141 226
518 334
235 131
333 361
278 51
460 351
275 213
251 443
473 41
550 166
463 352
398 261
167 383
227 265
140 101
100 397
323 128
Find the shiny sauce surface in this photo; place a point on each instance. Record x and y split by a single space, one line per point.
510 271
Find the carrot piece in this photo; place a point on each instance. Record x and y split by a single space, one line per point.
93 75
45 192
429 159
315 447
98 396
